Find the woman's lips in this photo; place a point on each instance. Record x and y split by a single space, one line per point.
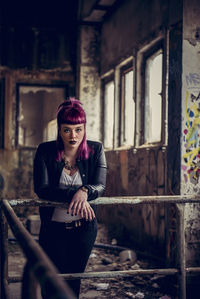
72 142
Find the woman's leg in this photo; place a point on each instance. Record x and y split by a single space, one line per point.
70 249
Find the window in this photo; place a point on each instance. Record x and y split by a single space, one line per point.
36 117
153 73
127 111
108 115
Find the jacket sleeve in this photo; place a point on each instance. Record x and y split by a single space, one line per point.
44 187
98 185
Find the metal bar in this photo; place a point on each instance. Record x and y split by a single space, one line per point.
117 200
118 274
30 286
131 200
41 266
181 251
110 247
193 269
4 291
85 275
109 274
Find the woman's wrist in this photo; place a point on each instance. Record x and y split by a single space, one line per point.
84 189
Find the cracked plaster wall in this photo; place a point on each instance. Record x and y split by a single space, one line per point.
141 173
89 81
190 137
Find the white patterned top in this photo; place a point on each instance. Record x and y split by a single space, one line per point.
60 214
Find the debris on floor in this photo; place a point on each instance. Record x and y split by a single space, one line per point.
102 259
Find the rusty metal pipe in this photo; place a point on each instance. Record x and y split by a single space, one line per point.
181 251
4 292
132 200
192 269
117 200
118 274
43 269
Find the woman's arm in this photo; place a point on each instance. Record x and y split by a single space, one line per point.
79 203
44 187
97 187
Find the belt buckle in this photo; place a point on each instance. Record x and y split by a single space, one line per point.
78 223
74 224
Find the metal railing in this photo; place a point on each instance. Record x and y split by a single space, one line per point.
38 268
43 269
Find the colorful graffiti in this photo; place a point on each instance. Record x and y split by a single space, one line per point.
191 139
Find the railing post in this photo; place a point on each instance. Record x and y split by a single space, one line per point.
181 250
4 292
30 286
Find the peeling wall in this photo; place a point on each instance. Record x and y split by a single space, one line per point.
89 83
136 173
190 138
133 24
16 172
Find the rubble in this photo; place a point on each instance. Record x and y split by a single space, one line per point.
128 255
101 259
102 286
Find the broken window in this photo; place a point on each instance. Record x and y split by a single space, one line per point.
153 97
36 119
127 113
108 131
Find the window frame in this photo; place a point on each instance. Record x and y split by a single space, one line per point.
145 56
105 80
122 130
63 85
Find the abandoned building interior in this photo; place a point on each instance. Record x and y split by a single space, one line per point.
135 66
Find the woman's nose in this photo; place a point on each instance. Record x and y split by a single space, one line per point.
73 133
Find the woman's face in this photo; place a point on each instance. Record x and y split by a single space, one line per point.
72 135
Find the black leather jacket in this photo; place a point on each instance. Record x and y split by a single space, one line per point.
47 172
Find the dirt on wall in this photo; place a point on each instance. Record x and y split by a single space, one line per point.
136 173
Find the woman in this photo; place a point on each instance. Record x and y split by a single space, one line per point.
72 170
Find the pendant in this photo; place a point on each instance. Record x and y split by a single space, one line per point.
68 166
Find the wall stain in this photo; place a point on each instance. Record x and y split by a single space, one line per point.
1 182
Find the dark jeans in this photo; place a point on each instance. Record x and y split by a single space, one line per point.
69 250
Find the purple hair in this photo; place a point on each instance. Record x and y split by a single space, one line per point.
71 112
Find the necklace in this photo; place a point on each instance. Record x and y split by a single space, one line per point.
68 166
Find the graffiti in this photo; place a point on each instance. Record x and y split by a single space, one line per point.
193 81
191 138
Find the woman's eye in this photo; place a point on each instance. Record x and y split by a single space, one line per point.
78 130
66 130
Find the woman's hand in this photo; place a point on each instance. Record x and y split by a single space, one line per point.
80 205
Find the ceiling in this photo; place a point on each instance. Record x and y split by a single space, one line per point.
96 10
54 13
38 13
